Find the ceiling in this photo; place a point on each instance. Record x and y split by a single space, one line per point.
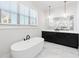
43 5
54 4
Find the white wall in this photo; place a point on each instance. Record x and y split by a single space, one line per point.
42 20
77 18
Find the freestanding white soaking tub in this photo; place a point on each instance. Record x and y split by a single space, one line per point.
27 49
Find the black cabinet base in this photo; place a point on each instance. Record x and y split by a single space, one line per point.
66 39
64 44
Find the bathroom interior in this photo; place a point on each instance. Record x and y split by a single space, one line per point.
39 29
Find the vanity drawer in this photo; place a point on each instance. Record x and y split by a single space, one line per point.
72 38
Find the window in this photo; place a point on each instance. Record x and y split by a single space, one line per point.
13 13
33 17
5 5
22 9
26 11
32 21
13 7
22 20
7 12
26 20
5 17
13 18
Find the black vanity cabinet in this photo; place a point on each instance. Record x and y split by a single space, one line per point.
67 39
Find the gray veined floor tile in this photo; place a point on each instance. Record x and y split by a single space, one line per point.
52 50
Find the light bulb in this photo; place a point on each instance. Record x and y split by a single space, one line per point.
49 17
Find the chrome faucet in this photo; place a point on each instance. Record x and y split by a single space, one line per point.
27 37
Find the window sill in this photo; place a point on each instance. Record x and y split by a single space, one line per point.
17 26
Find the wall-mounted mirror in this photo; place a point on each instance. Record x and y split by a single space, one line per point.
62 23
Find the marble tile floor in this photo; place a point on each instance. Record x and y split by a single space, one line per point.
52 50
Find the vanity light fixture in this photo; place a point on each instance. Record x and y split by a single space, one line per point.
65 8
49 16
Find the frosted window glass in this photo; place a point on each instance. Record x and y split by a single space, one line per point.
26 11
5 17
26 20
22 9
13 18
22 20
33 17
27 16
5 5
33 13
32 20
13 7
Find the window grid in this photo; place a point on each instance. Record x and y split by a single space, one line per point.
29 17
18 16
0 15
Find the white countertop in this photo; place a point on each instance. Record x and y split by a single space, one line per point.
61 31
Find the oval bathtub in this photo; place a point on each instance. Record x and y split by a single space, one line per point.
27 49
